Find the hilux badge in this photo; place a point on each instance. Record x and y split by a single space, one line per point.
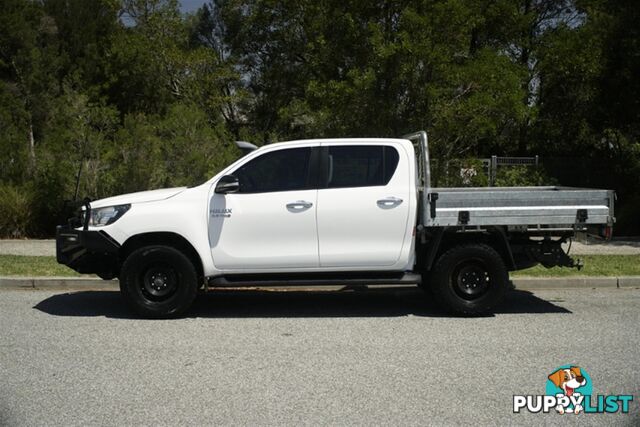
217 213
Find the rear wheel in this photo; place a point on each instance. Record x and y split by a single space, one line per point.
158 281
469 279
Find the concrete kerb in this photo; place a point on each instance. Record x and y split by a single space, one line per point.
534 283
629 282
67 283
523 283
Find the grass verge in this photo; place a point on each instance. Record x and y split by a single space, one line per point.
594 265
18 265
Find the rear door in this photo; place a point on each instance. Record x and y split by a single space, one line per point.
363 204
271 222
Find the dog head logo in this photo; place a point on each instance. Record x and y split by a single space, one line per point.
565 381
568 379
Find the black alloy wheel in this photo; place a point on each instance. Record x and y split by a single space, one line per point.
158 281
469 279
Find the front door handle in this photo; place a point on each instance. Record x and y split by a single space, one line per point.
389 202
299 205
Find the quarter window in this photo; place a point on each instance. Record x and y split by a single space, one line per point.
282 170
361 165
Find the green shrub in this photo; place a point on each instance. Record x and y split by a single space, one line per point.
521 176
627 212
51 186
16 204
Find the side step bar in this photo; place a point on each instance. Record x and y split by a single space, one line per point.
313 279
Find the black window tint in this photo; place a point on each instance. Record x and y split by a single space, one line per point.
361 165
282 170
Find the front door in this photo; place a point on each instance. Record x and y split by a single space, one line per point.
271 222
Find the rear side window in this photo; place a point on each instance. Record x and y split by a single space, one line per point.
361 165
282 170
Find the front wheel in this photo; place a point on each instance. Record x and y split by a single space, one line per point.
158 281
470 279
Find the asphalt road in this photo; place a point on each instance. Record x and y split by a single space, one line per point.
381 357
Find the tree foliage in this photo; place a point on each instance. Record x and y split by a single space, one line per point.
110 96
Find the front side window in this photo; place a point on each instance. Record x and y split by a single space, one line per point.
361 165
282 170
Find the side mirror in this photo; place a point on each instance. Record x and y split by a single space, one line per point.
228 184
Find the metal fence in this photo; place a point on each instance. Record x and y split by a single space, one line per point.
476 172
491 165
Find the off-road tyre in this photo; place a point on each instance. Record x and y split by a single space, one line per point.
469 279
158 281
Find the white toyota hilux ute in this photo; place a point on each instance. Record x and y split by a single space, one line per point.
328 211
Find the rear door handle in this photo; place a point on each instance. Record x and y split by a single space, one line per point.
299 205
389 202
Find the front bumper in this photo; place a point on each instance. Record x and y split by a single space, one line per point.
87 251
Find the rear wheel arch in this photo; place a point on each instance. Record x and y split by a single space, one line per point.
447 238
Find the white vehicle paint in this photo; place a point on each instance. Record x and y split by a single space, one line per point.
261 234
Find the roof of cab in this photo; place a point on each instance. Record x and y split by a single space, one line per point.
304 142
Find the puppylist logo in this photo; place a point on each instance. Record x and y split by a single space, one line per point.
569 391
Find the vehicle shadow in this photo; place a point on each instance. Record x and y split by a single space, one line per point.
261 303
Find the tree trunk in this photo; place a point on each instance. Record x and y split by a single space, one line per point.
32 150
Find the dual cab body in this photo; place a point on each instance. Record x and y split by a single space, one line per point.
321 211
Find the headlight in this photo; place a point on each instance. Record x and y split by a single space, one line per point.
107 215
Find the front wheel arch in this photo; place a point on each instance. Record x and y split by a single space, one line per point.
169 239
